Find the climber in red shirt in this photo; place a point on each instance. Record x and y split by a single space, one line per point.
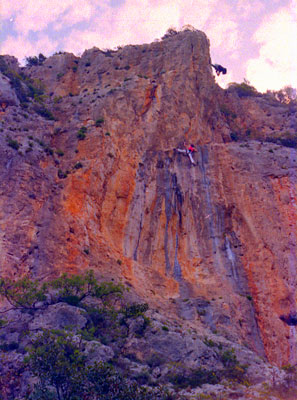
189 151
191 148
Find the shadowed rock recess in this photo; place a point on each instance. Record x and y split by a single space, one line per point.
90 179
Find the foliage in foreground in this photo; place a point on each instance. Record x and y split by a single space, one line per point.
57 360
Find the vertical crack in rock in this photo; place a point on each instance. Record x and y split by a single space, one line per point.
231 258
140 224
178 201
177 272
209 209
168 212
292 266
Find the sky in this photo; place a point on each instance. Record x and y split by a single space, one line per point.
254 39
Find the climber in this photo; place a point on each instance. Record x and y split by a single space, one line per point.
189 150
219 69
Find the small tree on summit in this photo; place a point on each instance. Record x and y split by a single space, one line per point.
243 89
30 61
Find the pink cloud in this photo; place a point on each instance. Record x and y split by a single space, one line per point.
249 8
22 48
134 22
138 22
36 15
276 65
10 8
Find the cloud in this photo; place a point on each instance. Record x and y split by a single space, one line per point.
37 15
276 65
22 48
10 8
134 22
224 33
131 21
249 8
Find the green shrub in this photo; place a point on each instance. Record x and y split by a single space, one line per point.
57 99
40 142
23 293
61 174
243 89
165 328
228 358
135 310
9 346
60 153
74 69
44 112
209 342
81 136
289 141
99 122
193 378
30 61
59 365
234 136
84 286
13 143
56 360
49 150
72 300
78 165
81 133
3 322
200 376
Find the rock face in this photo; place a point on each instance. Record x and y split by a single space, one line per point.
213 244
7 94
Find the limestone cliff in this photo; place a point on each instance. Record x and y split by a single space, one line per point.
101 186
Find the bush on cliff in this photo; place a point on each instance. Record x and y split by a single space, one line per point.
56 359
286 139
23 293
24 86
107 316
233 370
31 61
26 293
243 89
